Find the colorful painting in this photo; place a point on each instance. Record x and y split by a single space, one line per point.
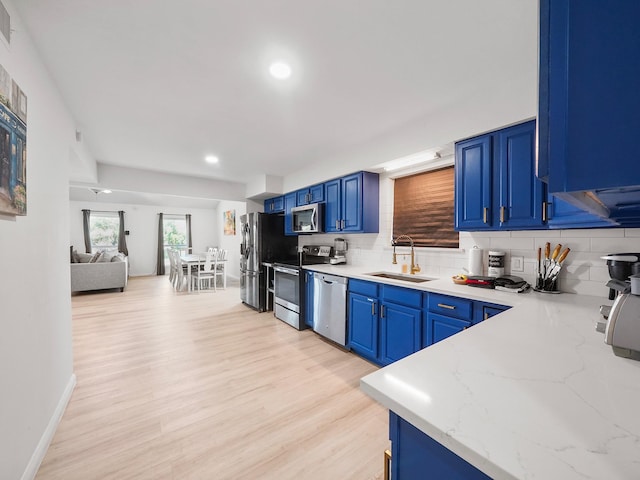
230 222
13 147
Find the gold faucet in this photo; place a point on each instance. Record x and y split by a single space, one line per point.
414 266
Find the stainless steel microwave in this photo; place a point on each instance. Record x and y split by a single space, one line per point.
308 218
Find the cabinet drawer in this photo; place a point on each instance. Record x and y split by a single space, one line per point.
363 287
402 296
451 306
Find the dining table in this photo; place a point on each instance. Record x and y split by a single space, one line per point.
195 260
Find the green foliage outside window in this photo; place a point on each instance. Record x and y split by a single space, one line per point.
175 232
104 231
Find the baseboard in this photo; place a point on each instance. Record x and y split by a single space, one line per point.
49 432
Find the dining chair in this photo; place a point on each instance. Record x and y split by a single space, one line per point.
206 271
220 269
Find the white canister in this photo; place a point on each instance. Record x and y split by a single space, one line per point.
475 261
496 264
635 284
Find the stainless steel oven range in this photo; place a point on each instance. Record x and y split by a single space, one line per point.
287 294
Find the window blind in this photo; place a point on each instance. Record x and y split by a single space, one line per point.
423 208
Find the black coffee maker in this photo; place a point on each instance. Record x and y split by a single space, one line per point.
621 267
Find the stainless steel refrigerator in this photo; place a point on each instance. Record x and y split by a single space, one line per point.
263 240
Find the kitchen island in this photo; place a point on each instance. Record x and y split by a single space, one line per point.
532 393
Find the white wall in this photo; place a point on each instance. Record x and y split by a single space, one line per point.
36 365
584 271
231 242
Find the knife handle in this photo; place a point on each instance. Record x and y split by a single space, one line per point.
547 249
556 251
563 255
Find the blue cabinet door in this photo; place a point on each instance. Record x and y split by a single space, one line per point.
308 300
400 332
351 220
333 190
274 205
473 189
440 327
289 203
521 193
309 195
363 325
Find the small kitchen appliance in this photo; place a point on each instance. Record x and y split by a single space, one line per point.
621 267
623 326
340 247
308 218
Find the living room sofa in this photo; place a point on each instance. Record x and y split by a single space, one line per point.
109 272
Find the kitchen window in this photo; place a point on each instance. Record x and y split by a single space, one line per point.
423 208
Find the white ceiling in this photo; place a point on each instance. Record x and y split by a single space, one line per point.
158 85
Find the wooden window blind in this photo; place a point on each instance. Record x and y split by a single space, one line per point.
423 209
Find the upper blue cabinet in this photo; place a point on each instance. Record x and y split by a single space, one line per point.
309 195
495 183
274 205
589 104
352 204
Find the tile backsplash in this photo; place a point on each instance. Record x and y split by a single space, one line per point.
583 272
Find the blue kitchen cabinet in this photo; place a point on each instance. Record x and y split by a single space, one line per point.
289 203
314 194
400 331
274 205
445 315
561 214
473 173
352 203
308 298
588 105
400 322
363 326
417 456
384 321
495 183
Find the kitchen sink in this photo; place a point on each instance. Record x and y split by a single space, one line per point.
400 276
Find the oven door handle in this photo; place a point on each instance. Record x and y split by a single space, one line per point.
290 271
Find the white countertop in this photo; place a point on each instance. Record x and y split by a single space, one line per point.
532 393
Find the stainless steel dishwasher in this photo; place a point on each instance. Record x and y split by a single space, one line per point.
330 307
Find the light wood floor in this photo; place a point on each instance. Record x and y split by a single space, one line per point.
198 386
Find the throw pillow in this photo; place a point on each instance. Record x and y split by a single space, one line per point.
107 256
119 257
84 257
76 257
71 259
96 257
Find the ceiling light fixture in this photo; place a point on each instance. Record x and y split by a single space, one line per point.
280 70
411 160
211 159
100 190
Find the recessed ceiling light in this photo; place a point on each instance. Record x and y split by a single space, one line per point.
211 159
106 191
280 70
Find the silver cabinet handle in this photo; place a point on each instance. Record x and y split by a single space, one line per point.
337 224
342 224
382 311
448 307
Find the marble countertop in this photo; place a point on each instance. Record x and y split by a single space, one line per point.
532 393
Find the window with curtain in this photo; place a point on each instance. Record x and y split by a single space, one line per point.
423 208
175 233
104 230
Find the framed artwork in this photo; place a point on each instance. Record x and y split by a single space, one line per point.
13 147
230 222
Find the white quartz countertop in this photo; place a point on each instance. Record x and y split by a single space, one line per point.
532 393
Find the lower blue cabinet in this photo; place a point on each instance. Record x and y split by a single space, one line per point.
363 326
438 327
400 332
417 456
381 330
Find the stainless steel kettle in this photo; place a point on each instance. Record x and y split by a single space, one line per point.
623 326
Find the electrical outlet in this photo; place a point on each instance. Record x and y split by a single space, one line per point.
517 264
